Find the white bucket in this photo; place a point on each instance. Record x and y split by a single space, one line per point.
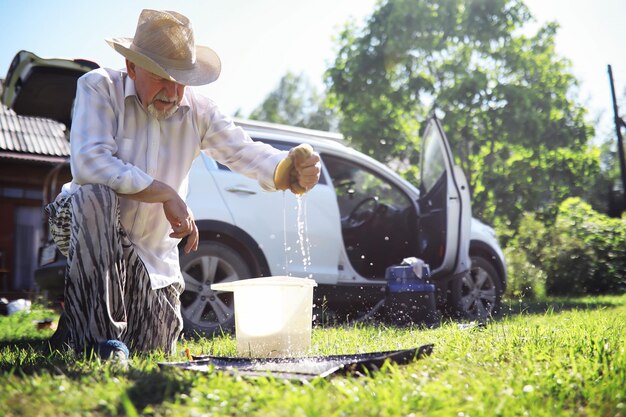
273 315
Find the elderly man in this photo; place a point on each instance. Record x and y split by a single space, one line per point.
134 136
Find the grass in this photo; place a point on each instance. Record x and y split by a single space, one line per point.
553 358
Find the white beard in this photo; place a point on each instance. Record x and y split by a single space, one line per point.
163 114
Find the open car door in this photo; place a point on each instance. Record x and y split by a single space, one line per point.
445 208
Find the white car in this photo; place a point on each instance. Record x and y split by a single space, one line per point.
361 219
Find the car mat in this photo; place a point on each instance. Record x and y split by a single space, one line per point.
303 368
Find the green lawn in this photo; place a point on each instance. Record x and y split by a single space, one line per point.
555 358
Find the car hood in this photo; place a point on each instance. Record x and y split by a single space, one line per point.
42 87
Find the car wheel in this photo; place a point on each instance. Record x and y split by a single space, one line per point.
476 295
205 311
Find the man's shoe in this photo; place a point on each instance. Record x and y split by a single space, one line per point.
115 352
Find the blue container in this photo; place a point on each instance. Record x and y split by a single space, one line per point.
402 278
409 299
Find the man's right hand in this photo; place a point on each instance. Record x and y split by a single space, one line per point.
300 171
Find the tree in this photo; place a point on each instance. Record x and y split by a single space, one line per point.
296 102
508 99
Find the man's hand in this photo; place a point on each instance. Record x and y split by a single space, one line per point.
300 171
176 212
307 167
183 223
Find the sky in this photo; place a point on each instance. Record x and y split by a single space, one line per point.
259 41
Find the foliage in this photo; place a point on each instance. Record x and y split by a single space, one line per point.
582 253
296 102
526 280
508 99
534 179
557 358
587 255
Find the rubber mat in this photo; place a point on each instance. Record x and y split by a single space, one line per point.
303 368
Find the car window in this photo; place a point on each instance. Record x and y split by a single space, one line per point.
433 163
354 183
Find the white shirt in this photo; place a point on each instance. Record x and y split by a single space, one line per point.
115 142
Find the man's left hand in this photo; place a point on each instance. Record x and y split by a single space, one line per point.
176 211
183 224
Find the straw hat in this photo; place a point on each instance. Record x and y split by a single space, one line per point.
164 45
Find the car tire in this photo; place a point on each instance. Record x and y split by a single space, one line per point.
477 294
206 312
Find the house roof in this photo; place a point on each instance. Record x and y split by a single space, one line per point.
32 138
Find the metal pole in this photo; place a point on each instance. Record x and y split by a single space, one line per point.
619 123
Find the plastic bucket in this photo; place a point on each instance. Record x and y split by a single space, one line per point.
273 315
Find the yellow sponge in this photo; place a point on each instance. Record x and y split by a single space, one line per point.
281 175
